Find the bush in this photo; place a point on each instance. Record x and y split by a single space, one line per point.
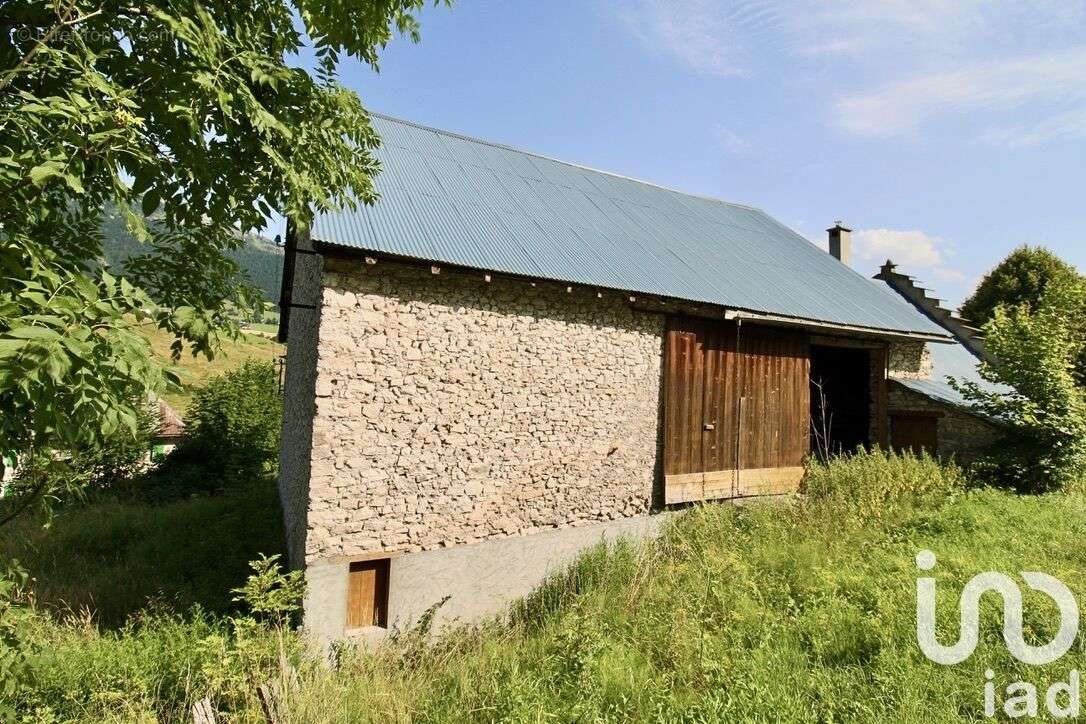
48 476
1035 354
232 434
880 485
15 649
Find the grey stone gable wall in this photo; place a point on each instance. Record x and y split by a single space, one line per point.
452 410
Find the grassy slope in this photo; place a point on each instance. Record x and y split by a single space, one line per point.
194 371
112 558
758 613
751 614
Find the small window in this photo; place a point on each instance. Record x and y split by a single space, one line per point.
367 593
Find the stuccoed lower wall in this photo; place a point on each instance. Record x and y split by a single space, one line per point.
451 410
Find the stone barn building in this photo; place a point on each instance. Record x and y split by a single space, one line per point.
509 358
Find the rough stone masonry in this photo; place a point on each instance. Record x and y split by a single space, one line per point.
452 410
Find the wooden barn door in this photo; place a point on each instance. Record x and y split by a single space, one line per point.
736 410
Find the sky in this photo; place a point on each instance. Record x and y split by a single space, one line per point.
944 133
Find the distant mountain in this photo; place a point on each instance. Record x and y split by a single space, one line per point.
260 257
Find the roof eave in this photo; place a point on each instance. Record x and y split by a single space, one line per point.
727 312
815 324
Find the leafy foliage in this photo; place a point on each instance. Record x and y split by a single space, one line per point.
232 434
270 593
259 260
111 463
192 112
16 651
1035 352
1020 279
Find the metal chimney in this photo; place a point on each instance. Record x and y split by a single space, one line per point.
840 242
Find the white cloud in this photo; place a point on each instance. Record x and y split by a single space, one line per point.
719 37
1067 125
731 141
914 250
981 87
1019 67
703 34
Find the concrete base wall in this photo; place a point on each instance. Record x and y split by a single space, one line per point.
480 580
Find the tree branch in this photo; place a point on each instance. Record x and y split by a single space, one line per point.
64 20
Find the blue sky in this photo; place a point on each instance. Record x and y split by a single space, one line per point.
944 133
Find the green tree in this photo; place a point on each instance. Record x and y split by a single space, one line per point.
1035 351
193 110
1019 279
234 423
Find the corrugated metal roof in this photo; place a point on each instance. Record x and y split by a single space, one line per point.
449 199
951 360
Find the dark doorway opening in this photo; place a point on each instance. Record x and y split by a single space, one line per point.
840 399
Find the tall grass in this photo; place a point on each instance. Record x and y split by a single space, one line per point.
114 556
799 612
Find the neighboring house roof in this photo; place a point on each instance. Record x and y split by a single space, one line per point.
170 425
450 199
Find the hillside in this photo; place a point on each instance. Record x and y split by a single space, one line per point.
195 371
260 257
799 612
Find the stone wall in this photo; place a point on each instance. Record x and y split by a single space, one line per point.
910 361
452 410
961 434
298 406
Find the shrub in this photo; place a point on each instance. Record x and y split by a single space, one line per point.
272 595
879 485
1035 354
44 477
15 649
232 433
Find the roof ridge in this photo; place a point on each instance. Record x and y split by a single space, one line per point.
507 147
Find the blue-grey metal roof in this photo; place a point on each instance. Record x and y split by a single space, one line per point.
948 360
951 360
445 198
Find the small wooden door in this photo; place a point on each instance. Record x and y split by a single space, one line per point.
915 431
367 594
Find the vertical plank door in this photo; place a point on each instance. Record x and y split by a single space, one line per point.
736 409
367 593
